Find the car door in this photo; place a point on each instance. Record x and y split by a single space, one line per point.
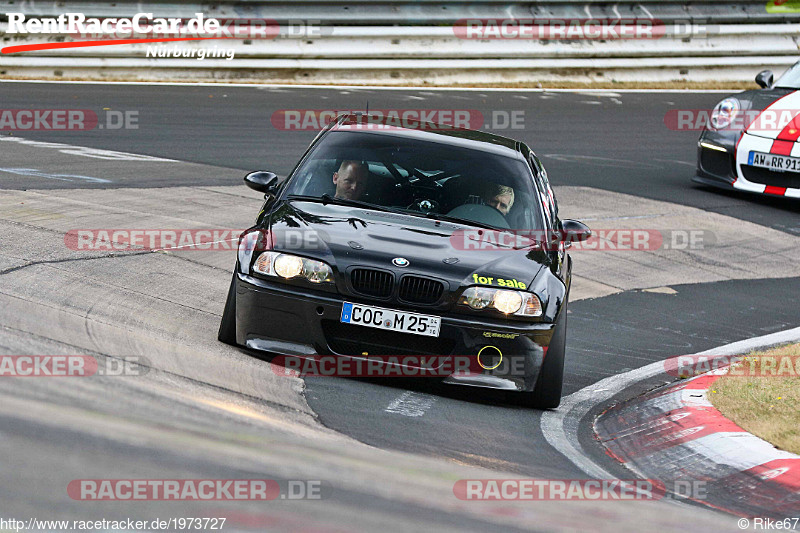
557 250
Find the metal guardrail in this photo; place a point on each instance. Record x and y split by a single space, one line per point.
404 42
419 12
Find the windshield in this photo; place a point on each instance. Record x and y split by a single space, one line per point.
421 178
790 78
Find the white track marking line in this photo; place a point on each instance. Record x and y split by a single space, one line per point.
61 177
560 428
85 151
411 404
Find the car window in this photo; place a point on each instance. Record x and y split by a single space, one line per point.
422 177
790 78
549 204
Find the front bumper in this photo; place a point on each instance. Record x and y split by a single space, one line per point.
283 319
729 169
764 181
716 167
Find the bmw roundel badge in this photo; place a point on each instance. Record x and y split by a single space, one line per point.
400 262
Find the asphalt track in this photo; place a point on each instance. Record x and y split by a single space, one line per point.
613 142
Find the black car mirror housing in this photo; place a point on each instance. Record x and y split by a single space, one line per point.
765 79
574 231
263 181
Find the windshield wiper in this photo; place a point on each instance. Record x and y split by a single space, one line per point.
326 199
462 221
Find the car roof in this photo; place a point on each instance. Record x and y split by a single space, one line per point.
393 125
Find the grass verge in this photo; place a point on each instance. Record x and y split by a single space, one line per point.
766 402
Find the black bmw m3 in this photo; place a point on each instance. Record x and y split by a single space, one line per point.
410 239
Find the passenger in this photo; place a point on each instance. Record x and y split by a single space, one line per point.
351 180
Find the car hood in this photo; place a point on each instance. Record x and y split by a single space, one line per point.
760 99
345 236
776 99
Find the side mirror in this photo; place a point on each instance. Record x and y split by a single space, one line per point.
262 181
765 79
574 231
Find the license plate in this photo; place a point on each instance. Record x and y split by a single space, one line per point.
781 163
378 317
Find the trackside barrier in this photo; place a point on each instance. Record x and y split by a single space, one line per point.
424 42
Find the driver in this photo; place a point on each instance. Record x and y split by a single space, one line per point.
351 180
501 197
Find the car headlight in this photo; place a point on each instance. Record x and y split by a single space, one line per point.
507 301
290 266
252 242
517 303
317 271
723 114
477 297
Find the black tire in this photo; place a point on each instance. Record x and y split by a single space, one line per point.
227 326
547 394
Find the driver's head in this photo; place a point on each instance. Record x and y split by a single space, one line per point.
351 180
500 197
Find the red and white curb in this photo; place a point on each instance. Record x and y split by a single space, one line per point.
675 434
